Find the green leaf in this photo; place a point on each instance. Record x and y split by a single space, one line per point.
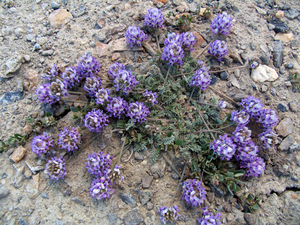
169 134
74 109
121 123
48 114
255 207
168 140
239 173
130 124
229 174
180 142
229 189
139 137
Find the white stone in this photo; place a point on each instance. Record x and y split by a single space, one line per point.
263 73
286 38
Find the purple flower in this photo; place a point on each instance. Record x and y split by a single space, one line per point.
50 72
173 53
269 138
92 84
223 105
240 117
98 164
102 96
87 66
114 68
224 147
101 188
137 111
69 139
242 134
96 120
219 49
193 192
221 24
70 77
201 63
208 218
173 38
45 95
135 36
188 40
246 151
55 168
201 78
252 106
268 118
154 18
255 166
115 175
42 144
254 64
151 97
125 81
168 214
58 89
117 107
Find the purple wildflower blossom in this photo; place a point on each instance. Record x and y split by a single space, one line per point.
269 138
193 192
114 68
255 166
224 147
50 72
252 106
98 164
173 38
268 118
208 218
87 66
254 64
96 120
201 63
116 107
219 49
58 89
101 188
242 134
102 96
168 214
55 168
201 78
115 175
223 105
240 117
92 84
151 97
70 77
135 36
124 81
69 139
42 144
173 53
45 95
188 40
154 18
221 24
137 111
246 151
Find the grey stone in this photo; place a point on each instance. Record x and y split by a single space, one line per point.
55 5
11 97
250 218
30 37
112 218
133 218
282 107
77 200
286 143
149 206
158 170
92 44
36 47
280 26
294 147
284 6
285 127
238 97
174 175
22 222
224 75
264 88
218 192
4 191
271 26
12 65
145 196
289 66
45 195
47 52
291 14
18 32
146 180
80 11
41 40
282 70
277 53
128 198
214 79
265 58
27 58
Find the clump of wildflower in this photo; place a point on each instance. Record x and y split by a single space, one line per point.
58 89
151 97
102 96
252 106
69 139
42 144
173 53
246 151
125 81
135 36
117 107
98 164
223 105
219 49
44 94
268 118
193 192
221 24
255 166
91 85
224 147
50 72
240 117
55 168
208 218
70 77
168 214
88 66
115 175
101 188
173 38
96 120
154 18
114 68
137 111
188 40
242 134
201 78
269 138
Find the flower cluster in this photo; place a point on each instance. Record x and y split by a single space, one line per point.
193 192
124 81
98 164
137 111
55 168
117 107
69 139
168 214
208 218
101 188
151 97
219 49
221 24
114 68
224 147
50 72
45 95
201 78
135 36
188 40
154 18
70 77
91 85
42 144
102 96
96 120
87 66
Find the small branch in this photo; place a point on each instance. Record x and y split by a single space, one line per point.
129 156
200 53
69 100
120 155
167 76
157 42
188 102
161 108
178 186
202 117
155 119
205 131
227 69
170 164
77 93
225 96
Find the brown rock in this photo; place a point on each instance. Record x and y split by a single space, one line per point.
146 180
235 56
294 196
115 56
162 1
285 127
115 30
181 14
121 45
36 179
279 14
199 39
100 23
102 49
33 77
286 38
59 17
18 154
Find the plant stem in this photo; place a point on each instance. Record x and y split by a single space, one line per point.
188 102
225 96
167 76
157 42
232 68
68 100
170 164
77 93
178 185
155 119
200 53
120 155
202 117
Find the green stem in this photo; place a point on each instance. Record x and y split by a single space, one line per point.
187 104
120 154
167 76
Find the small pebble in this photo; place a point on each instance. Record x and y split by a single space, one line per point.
224 75
289 66
264 88
293 106
282 107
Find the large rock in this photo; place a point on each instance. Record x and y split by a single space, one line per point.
11 66
285 127
59 18
263 73
18 154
